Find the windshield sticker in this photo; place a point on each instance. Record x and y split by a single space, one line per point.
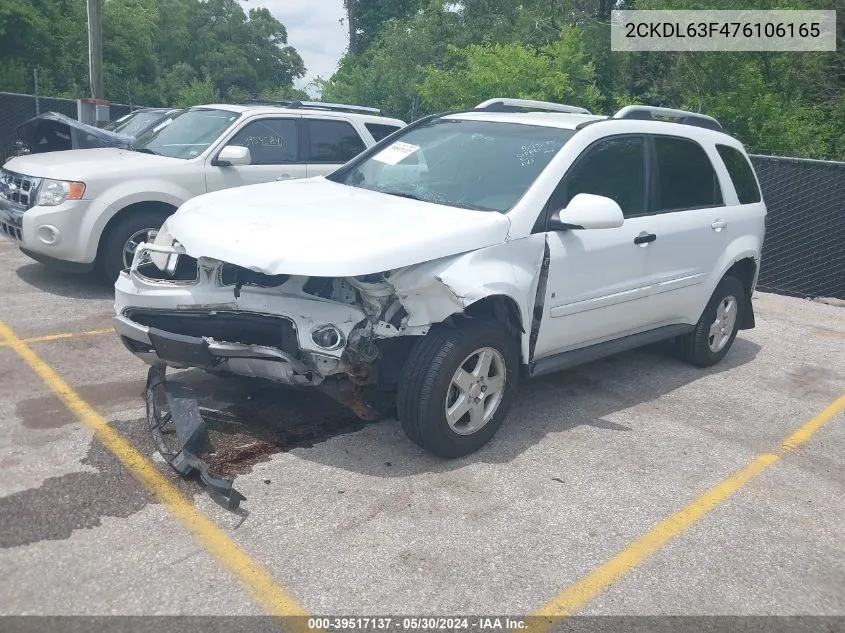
528 153
396 153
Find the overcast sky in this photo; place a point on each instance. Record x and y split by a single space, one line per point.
314 29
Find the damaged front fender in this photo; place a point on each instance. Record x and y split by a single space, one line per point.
432 292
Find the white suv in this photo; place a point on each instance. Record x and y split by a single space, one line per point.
91 208
465 252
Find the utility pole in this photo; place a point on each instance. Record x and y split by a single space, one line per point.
95 49
351 12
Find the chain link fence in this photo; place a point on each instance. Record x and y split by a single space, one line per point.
804 251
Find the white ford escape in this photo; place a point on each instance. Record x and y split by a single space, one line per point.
461 254
90 208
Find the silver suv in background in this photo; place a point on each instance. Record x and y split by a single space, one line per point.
87 209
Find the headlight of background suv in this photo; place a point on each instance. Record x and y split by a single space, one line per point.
53 192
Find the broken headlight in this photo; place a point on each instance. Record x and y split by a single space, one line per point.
327 337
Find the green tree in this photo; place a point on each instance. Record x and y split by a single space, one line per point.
557 72
366 19
156 52
197 92
130 66
389 73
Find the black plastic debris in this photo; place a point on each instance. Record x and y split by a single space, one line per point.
174 402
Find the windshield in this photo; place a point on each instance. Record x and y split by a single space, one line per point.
132 124
188 135
482 165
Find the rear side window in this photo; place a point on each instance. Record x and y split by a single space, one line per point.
741 174
685 176
614 168
332 141
379 131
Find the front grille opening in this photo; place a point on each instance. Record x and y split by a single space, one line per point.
231 275
18 188
225 326
186 270
10 231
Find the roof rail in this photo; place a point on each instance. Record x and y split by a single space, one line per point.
315 105
683 116
503 104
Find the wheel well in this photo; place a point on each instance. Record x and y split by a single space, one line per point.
500 308
503 309
744 270
163 208
395 351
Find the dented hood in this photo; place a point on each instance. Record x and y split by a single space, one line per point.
320 228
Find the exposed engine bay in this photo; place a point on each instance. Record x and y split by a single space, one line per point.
342 334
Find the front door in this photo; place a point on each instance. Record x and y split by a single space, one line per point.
273 145
599 283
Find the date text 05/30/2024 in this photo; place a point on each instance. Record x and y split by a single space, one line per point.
417 623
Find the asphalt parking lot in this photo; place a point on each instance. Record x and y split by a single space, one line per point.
633 485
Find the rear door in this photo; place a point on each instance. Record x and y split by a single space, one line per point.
691 224
327 143
274 147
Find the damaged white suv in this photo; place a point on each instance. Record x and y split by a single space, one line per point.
459 255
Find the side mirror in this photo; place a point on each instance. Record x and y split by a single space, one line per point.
232 155
588 211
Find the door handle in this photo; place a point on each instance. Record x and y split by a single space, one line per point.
644 238
718 225
285 177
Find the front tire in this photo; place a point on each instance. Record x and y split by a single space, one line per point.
119 243
457 386
716 330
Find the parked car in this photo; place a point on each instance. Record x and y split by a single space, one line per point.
460 255
91 208
55 132
142 120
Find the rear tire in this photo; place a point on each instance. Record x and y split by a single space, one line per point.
457 385
716 330
116 244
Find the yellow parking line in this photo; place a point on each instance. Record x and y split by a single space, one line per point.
577 595
251 574
63 335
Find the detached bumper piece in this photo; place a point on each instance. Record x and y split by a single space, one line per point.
174 402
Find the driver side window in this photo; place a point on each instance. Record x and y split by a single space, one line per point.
614 168
270 141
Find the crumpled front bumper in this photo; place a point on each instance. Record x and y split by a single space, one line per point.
208 324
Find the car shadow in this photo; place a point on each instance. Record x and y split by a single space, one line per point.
263 418
65 284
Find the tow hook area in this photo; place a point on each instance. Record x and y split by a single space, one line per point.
173 404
